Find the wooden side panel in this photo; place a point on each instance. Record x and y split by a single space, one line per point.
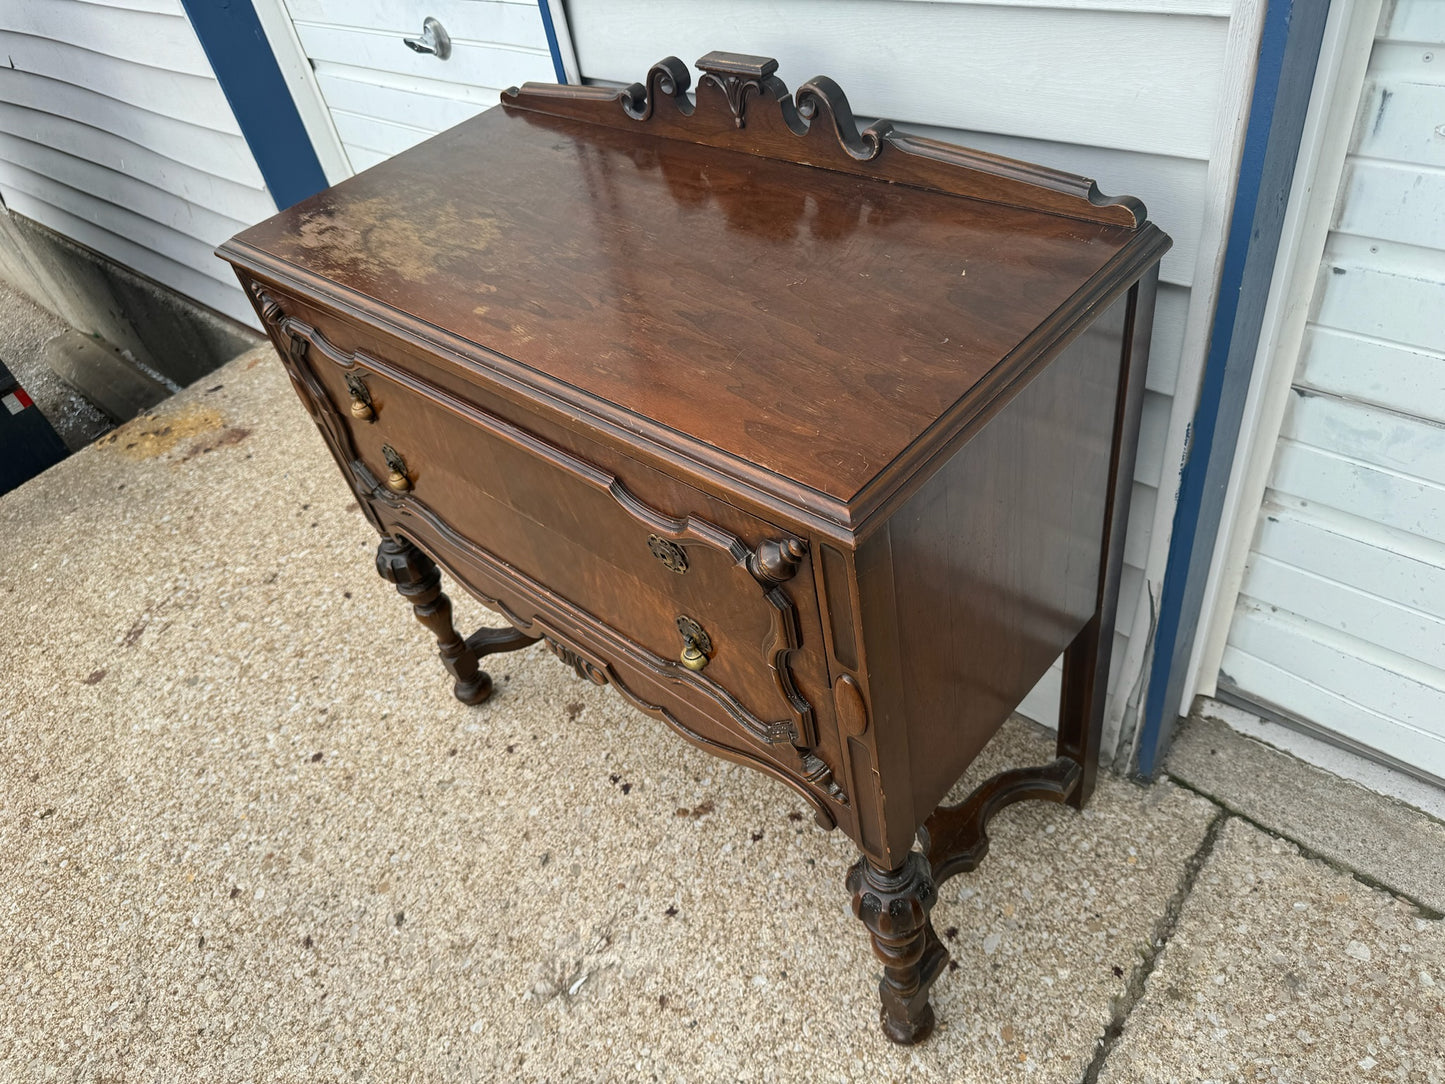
1011 526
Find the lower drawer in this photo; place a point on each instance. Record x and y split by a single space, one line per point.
602 655
696 623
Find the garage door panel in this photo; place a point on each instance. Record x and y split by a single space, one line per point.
1406 445
1317 477
470 62
1375 733
1381 687
1396 376
1399 127
465 20
419 105
364 157
1341 618
381 136
1394 201
382 97
1400 300
1358 553
1322 599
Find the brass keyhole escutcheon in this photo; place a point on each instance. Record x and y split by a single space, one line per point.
672 556
361 405
398 481
696 644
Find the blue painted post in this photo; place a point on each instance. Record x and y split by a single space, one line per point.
552 45
1288 54
246 68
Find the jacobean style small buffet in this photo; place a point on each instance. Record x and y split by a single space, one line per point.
816 443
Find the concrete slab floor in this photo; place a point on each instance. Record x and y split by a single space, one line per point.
1286 969
247 834
1394 845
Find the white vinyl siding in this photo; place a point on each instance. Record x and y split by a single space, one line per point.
1136 93
115 133
1340 620
382 97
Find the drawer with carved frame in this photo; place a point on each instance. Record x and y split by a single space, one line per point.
711 623
816 443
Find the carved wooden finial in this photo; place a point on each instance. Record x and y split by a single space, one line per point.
776 561
737 75
742 105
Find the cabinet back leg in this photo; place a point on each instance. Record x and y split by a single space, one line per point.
1081 707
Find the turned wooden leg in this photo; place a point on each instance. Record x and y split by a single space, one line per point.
894 905
419 582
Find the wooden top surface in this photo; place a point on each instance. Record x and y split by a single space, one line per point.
740 311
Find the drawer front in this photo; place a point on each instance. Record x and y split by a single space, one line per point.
671 583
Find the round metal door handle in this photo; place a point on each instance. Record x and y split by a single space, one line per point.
434 40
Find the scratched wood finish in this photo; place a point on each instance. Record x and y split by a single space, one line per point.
692 294
815 443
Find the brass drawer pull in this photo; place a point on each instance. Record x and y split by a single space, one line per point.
361 406
398 480
696 644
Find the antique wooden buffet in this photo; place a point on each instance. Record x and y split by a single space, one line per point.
815 443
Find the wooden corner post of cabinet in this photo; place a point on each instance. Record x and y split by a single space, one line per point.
1084 694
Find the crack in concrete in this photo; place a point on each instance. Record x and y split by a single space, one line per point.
1159 939
1306 851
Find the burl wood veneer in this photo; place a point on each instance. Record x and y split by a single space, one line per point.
815 443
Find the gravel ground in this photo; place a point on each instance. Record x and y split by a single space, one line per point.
25 328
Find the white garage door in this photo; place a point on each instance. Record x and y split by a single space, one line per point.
381 95
1341 618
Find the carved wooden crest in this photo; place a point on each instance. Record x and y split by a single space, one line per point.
740 104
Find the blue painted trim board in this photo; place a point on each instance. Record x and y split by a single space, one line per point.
241 57
1288 55
552 45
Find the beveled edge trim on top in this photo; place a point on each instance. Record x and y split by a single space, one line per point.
782 501
908 470
741 105
786 502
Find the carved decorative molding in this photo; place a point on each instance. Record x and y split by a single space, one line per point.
314 398
598 671
585 668
742 105
737 76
